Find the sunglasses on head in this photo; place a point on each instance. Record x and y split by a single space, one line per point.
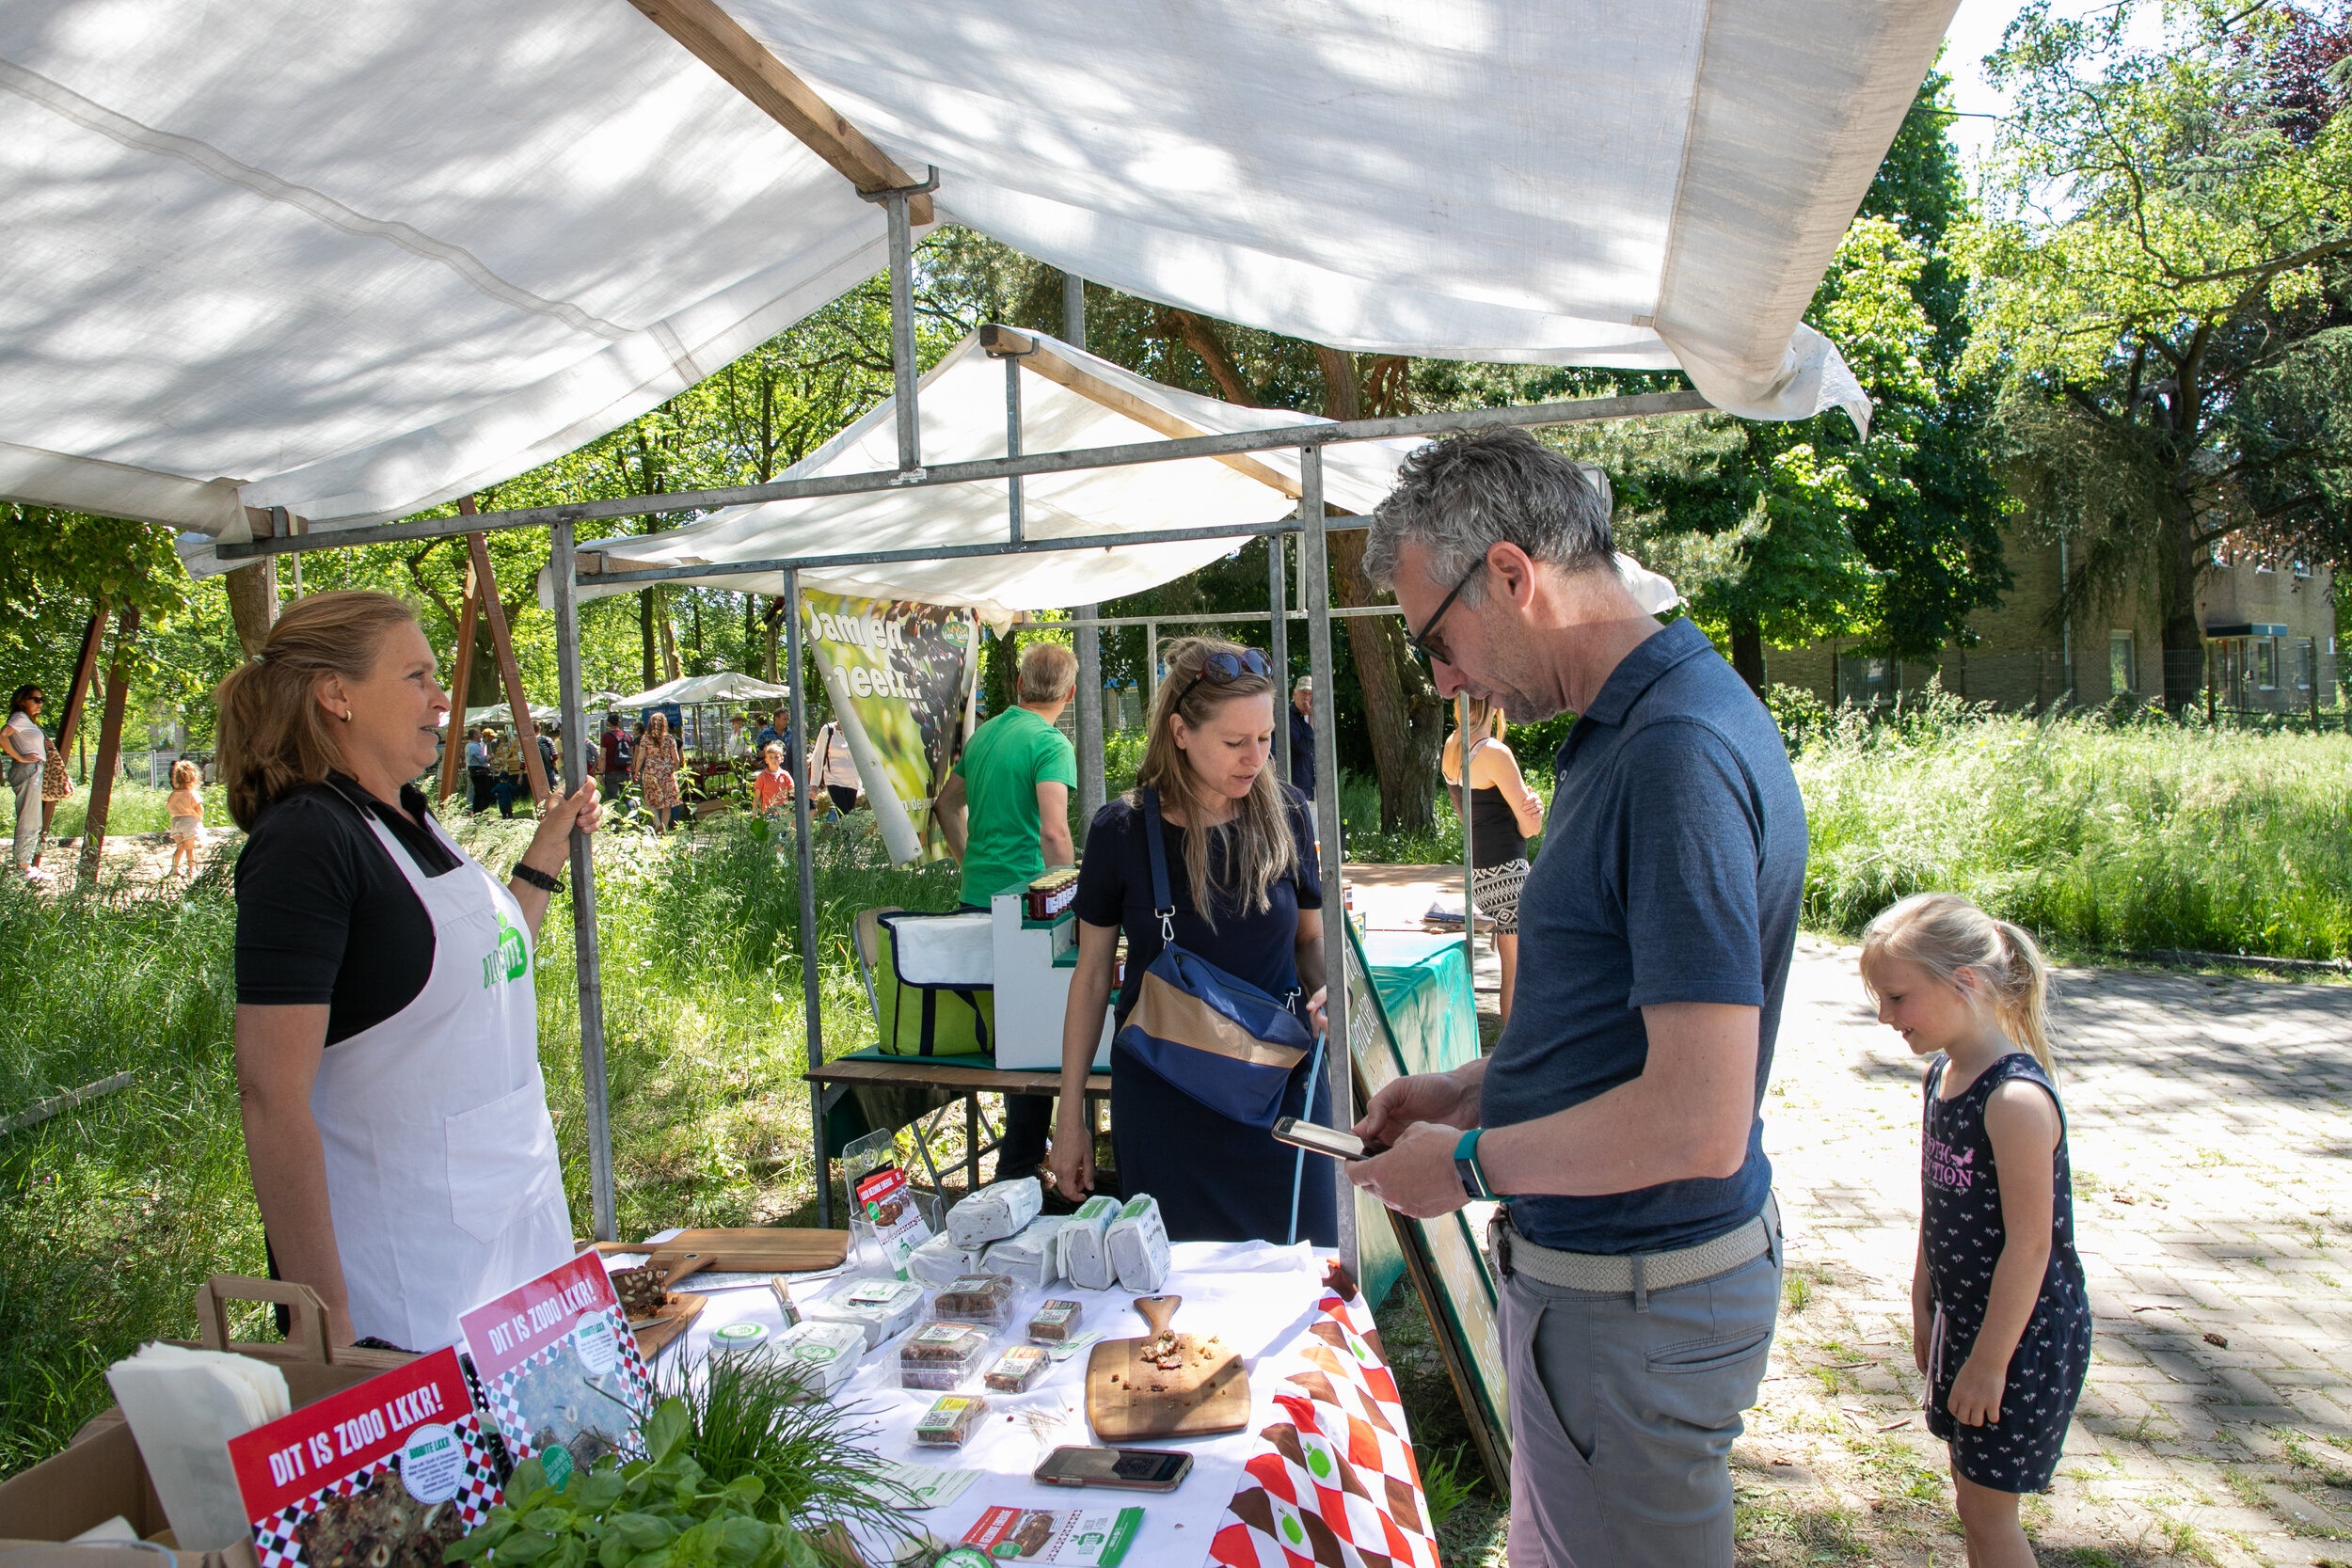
1224 669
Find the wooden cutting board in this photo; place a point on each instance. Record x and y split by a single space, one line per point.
758 1249
1130 1399
666 1324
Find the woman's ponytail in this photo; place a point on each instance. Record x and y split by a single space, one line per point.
1943 934
272 735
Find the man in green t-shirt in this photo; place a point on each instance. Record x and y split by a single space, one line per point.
1014 779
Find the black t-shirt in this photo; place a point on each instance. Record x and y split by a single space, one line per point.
1115 888
323 914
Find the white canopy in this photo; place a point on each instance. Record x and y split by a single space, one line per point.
728 685
499 713
1069 399
358 261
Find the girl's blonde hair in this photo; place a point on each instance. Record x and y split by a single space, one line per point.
185 774
1260 849
272 735
1944 934
1484 720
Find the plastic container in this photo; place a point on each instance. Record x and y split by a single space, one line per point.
976 1298
826 1354
950 1420
1056 1323
942 1356
738 1338
882 1307
1016 1369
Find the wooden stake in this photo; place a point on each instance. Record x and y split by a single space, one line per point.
102 783
510 674
453 756
92 637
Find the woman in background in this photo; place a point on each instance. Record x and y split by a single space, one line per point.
657 765
28 751
1502 815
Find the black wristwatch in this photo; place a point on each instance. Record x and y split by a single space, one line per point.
1466 1166
538 879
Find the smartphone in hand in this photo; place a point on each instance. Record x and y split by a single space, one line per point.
1339 1144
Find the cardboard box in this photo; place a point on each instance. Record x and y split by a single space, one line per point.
100 1474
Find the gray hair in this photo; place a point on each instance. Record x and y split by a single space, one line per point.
1461 497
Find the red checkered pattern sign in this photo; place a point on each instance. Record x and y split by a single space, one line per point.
1336 1485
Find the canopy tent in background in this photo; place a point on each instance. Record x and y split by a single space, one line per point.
356 264
501 714
728 685
1070 398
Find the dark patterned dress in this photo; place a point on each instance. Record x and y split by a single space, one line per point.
1961 1218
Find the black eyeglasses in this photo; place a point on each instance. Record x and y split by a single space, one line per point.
1422 643
1225 669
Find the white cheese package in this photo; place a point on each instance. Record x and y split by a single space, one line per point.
940 1260
1033 1257
825 1353
995 1213
1086 1256
882 1308
1139 1245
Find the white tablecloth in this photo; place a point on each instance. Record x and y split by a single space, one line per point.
1259 1297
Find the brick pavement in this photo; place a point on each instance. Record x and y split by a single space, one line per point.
2211 1133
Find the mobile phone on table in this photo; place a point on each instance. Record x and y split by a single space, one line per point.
1126 1469
1334 1141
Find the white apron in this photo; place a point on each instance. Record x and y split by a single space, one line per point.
441 1170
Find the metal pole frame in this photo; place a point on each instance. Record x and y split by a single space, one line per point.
1278 654
1314 582
1470 861
1092 747
812 1014
586 960
894 204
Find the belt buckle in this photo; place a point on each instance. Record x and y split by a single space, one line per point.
1499 1242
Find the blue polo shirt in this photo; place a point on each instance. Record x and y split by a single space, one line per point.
1672 869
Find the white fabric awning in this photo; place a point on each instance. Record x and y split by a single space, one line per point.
728 685
359 261
1080 400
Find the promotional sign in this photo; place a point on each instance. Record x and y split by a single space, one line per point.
1087 1537
888 1211
900 675
560 1369
382 1474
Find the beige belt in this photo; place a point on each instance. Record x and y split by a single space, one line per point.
1639 1273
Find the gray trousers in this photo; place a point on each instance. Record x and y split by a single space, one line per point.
1622 1421
25 778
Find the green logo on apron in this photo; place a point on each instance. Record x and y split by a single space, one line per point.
509 960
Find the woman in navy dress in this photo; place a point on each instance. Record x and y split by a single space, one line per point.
1241 865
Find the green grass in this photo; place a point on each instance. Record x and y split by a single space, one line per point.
134 808
2103 835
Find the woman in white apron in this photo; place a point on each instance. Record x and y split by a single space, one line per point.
396 1122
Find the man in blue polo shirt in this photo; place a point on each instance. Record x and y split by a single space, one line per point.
1618 1117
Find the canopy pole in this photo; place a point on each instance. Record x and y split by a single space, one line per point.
453 756
1090 745
1469 859
811 1015
1314 584
894 204
1012 437
585 959
1279 653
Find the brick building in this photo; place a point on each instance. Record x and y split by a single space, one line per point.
2270 645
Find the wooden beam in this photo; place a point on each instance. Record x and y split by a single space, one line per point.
101 779
526 733
1094 388
745 64
453 756
92 636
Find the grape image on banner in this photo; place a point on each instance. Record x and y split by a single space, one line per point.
901 677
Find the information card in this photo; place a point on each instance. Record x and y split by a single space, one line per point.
560 1370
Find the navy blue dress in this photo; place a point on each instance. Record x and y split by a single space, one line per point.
1961 1218
1216 1178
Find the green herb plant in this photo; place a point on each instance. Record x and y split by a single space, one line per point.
752 1415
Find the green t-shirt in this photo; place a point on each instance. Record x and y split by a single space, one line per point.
1002 765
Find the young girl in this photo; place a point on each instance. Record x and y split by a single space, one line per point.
771 787
186 805
2000 1321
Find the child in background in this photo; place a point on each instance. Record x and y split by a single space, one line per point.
186 805
2000 1320
771 787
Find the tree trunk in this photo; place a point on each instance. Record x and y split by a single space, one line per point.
2180 564
253 602
1402 716
1747 653
645 627
102 782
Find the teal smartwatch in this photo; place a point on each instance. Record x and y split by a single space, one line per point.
1466 1166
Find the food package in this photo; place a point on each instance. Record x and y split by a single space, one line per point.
384 1474
559 1367
1086 1260
1056 1322
882 1307
975 1298
939 1260
883 1210
1013 1372
950 1420
825 1354
942 1356
1139 1245
1033 1257
1097 1536
184 1407
995 1212
739 1337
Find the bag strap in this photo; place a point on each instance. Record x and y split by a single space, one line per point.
1162 904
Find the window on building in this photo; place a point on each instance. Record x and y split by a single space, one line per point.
2266 664
2301 568
2264 566
1865 680
2306 662
2122 662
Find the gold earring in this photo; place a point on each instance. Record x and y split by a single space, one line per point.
347 715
